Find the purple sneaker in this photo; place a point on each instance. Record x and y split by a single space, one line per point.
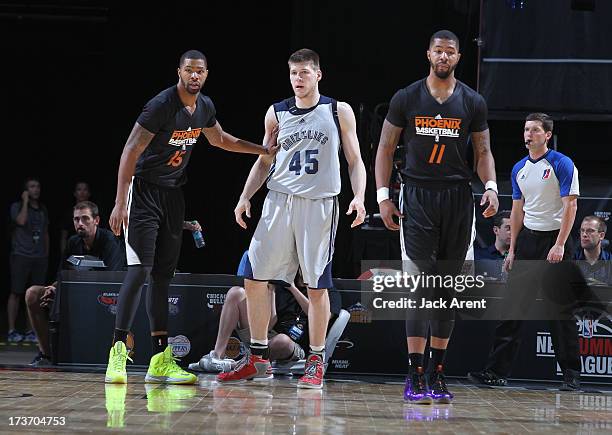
416 388
438 389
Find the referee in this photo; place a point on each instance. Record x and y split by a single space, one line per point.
544 193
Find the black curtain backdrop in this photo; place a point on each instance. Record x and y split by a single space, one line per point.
569 72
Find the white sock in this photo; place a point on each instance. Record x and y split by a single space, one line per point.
260 342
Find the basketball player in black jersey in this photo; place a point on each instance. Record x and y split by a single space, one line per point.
437 116
150 207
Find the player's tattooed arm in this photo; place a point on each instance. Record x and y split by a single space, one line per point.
137 142
389 137
139 139
485 168
483 158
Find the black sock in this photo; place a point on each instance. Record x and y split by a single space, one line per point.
437 357
159 343
416 360
120 335
261 350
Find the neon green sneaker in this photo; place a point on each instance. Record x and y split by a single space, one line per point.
164 370
115 371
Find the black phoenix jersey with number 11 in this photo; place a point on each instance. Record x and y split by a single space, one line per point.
176 131
436 135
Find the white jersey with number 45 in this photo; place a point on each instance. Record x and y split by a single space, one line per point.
307 163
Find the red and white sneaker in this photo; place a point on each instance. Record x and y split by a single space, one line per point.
313 373
250 367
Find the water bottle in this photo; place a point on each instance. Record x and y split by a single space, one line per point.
503 275
197 237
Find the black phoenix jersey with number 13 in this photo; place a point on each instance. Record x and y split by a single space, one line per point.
176 131
436 135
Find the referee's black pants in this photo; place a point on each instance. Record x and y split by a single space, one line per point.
534 245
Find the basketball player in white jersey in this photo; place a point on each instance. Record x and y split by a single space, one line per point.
300 214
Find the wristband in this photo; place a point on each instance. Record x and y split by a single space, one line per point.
382 194
491 185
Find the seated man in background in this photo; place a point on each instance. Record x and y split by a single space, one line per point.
594 261
88 240
489 260
82 192
288 332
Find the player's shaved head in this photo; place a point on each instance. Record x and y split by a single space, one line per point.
444 34
192 54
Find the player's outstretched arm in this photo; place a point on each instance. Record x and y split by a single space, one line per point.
389 138
137 142
259 172
357 172
485 168
221 139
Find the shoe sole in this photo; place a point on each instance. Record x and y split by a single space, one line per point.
262 378
232 381
244 380
165 380
114 381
